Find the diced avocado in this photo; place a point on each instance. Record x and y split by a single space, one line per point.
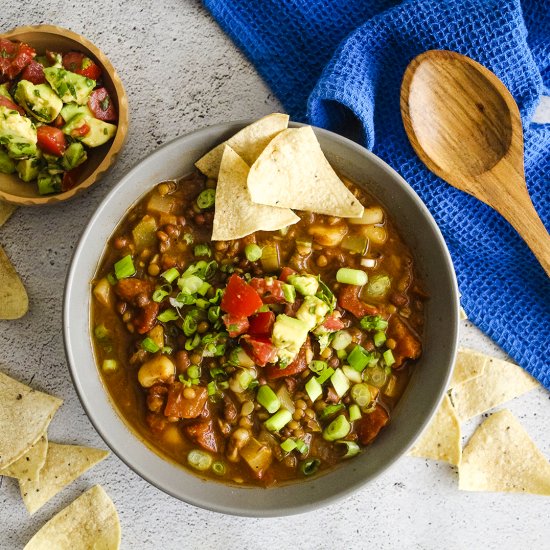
72 109
18 134
312 312
306 285
39 101
48 183
4 92
28 169
73 156
100 132
7 166
69 86
288 336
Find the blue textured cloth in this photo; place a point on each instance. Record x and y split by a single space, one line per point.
338 64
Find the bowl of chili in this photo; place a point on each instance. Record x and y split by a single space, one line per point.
126 415
107 104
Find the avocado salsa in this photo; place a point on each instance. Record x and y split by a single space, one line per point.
261 360
52 107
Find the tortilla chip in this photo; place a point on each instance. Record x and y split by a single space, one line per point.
501 456
500 382
468 365
64 463
441 440
236 215
29 465
462 315
293 172
24 417
248 143
14 301
91 521
6 210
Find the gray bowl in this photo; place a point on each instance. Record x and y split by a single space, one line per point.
414 410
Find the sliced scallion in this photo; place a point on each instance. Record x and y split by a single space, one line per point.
192 343
190 284
206 199
218 468
171 274
189 325
388 357
351 448
252 252
341 340
360 393
317 366
200 460
313 389
337 429
351 374
301 446
268 399
310 466
149 345
278 421
359 358
202 250
168 315
374 322
340 382
350 276
214 313
159 294
124 268
376 376
379 338
288 445
354 412
194 371
325 375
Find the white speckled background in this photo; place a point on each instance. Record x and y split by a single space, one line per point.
181 73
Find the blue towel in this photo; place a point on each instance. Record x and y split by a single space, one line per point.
338 64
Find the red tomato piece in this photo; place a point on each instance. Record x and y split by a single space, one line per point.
240 299
298 365
261 324
14 57
333 322
78 63
51 140
286 272
34 72
270 290
348 299
260 349
72 61
5 102
235 325
102 105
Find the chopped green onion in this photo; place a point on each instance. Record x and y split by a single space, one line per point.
194 371
223 385
388 357
379 338
376 376
159 295
199 460
337 429
288 445
341 354
112 279
350 276
341 340
303 247
192 343
185 299
325 375
289 292
218 468
374 322
354 412
125 268
211 388
378 286
204 288
206 199
351 448
331 410
317 366
189 325
359 358
267 398
310 466
278 421
109 365
301 446
313 389
361 394
216 299
252 252
202 250
171 274
340 382
202 303
168 315
148 344
167 350
188 238
214 313
351 374
190 284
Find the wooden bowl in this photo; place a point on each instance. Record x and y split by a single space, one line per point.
49 37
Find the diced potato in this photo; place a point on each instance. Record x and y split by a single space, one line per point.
144 233
160 204
370 216
102 292
258 456
328 235
172 435
376 234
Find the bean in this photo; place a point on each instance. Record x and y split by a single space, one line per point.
326 353
120 243
182 361
153 270
300 404
298 414
293 425
142 299
189 393
247 408
245 422
162 236
391 343
172 231
310 413
127 316
322 261
221 246
298 432
130 327
203 327
163 189
195 358
334 362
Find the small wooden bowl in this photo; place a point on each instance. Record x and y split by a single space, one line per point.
49 37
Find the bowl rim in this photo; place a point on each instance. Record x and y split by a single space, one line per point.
122 125
210 504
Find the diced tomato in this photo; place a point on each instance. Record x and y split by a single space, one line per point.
407 344
333 322
101 104
298 365
348 299
14 57
260 349
179 406
34 72
261 324
270 290
5 102
51 140
369 425
81 131
286 272
240 299
77 62
235 325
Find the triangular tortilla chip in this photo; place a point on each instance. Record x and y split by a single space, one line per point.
500 382
442 439
6 210
293 172
14 301
501 456
468 365
64 463
236 215
248 143
24 417
91 521
29 465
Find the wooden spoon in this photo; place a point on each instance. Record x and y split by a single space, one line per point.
465 126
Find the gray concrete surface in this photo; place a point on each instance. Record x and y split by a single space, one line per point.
181 73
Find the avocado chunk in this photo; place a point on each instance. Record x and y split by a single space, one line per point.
28 169
288 337
69 86
39 101
18 134
7 166
73 156
306 285
72 109
100 132
312 312
48 183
